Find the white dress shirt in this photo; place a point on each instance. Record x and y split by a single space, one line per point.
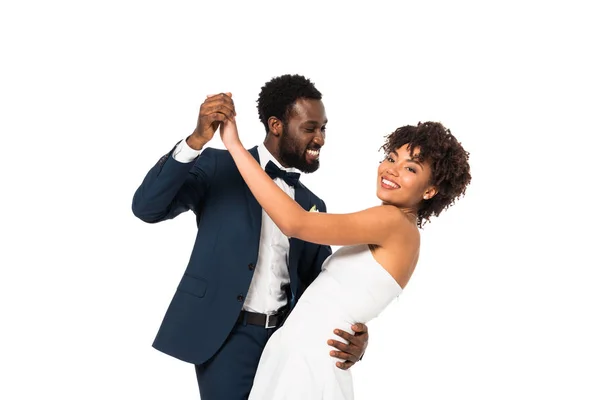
266 294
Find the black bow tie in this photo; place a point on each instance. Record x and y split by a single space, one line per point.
291 178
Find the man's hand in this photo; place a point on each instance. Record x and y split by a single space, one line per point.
354 350
215 109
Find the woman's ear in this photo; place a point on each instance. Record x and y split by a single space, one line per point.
429 193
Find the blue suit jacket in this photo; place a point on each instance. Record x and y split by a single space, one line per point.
211 292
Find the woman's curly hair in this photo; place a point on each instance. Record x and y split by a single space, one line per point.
450 171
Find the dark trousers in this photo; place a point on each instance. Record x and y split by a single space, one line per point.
228 375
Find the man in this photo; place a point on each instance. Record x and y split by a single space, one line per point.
244 275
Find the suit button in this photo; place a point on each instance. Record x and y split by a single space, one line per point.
251 267
240 297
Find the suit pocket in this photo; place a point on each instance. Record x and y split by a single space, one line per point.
192 285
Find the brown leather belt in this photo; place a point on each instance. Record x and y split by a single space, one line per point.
267 321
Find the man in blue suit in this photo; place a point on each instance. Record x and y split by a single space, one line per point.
244 276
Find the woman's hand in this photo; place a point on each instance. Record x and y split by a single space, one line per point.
229 133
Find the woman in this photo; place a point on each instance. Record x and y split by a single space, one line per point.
424 172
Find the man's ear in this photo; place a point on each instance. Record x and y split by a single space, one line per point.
275 126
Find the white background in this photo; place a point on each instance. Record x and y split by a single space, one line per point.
504 303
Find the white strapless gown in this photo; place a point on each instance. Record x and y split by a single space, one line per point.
296 364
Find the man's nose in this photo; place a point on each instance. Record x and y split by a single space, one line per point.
319 138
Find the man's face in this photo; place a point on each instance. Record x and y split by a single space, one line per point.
303 135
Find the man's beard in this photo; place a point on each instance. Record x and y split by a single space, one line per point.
293 155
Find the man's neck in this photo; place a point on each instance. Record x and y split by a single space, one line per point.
272 148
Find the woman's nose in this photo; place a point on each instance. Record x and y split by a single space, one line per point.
391 171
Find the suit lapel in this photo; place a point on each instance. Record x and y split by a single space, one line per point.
254 209
296 245
301 196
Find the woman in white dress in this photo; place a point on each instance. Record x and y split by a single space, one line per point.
425 170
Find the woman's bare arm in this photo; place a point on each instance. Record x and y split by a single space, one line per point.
370 226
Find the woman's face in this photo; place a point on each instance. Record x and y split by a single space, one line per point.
404 181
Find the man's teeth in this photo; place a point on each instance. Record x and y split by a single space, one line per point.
314 153
389 183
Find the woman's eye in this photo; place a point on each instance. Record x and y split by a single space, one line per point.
390 159
411 169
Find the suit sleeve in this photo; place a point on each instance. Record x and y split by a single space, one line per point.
172 187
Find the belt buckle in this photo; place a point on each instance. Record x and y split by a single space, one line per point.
267 326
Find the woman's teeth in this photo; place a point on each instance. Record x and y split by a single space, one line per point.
389 183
